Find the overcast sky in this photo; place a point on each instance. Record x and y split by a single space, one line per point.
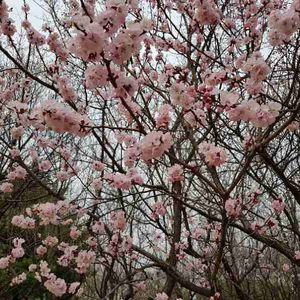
35 16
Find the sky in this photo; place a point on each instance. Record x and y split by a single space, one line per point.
35 16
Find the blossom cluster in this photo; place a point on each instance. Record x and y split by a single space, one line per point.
175 173
124 181
59 118
284 24
152 146
233 208
48 213
259 115
7 24
214 156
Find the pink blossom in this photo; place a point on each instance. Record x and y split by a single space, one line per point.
155 144
56 286
38 277
23 222
41 250
18 242
285 268
98 166
214 156
6 187
60 118
18 279
180 97
207 14
96 76
278 205
48 213
159 208
121 181
293 126
141 286
84 260
7 26
118 220
57 47
62 175
4 262
89 46
248 142
161 296
17 132
98 227
175 173
45 165
73 287
197 233
258 227
196 117
17 252
134 176
126 244
229 99
131 154
32 268
233 208
297 255
44 268
92 242
18 173
74 233
271 222
65 88
33 36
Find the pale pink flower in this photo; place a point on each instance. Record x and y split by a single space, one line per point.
17 252
62 175
271 222
159 208
293 126
6 187
118 220
233 208
32 268
98 227
4 262
73 287
175 173
41 250
297 255
45 165
74 233
79 292
215 156
154 144
285 268
258 227
50 241
56 286
197 233
19 279
98 166
84 260
44 268
161 296
278 205
17 132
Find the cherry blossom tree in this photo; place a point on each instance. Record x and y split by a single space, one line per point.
174 126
